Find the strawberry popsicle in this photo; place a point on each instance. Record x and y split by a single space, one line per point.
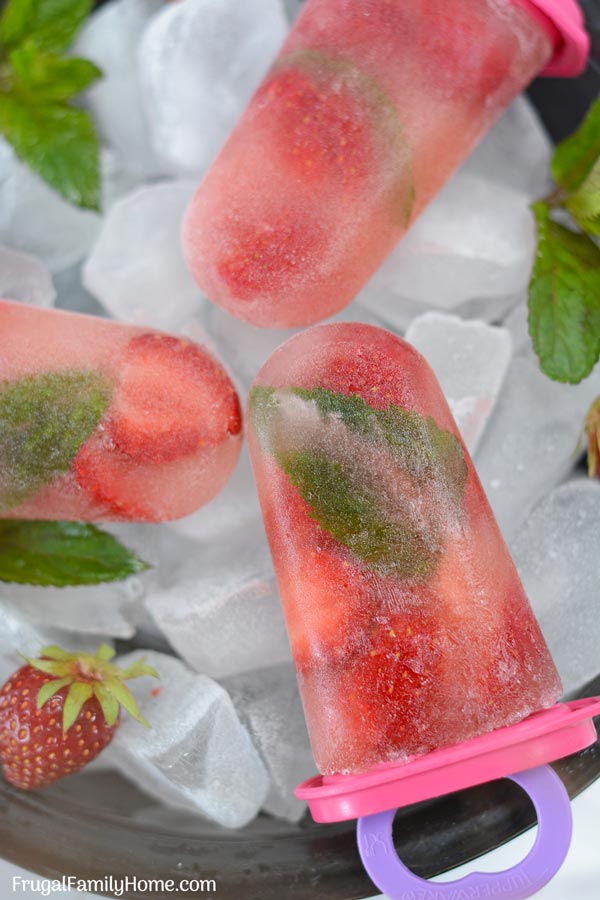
105 421
369 107
409 627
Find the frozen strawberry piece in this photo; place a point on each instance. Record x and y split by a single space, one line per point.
259 259
123 490
173 399
320 131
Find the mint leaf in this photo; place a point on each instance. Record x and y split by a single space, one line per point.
424 449
14 20
49 77
58 142
574 159
584 204
362 509
50 24
352 515
564 300
62 553
44 419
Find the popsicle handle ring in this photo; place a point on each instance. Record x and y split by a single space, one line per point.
553 809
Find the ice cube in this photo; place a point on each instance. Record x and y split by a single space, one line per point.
244 346
292 8
470 360
110 38
25 278
470 252
530 443
106 609
196 755
136 267
35 219
516 152
200 60
247 347
268 703
235 507
71 294
516 323
556 552
19 635
221 611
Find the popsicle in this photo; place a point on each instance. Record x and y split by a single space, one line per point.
105 421
409 627
367 110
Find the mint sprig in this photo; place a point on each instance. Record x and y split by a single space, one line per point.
62 553
564 290
351 513
395 531
37 84
44 419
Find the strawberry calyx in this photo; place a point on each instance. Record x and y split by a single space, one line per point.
592 430
89 675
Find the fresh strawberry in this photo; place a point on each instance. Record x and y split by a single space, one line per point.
592 431
58 712
173 399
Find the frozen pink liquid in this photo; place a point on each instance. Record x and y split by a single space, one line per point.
408 623
367 110
100 420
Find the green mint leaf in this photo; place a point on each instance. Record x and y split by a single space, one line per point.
564 300
58 142
584 204
49 78
349 500
62 553
44 419
576 156
50 24
352 515
15 19
423 449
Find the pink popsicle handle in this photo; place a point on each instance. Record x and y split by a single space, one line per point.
551 802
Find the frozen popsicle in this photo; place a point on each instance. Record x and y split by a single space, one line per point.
369 107
409 627
100 420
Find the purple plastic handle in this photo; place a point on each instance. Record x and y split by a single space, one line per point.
555 825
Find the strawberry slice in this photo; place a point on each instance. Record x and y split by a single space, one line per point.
173 400
126 490
384 697
322 586
321 132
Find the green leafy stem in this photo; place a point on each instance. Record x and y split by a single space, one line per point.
362 510
55 138
564 291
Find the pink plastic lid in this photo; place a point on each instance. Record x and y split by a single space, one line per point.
563 21
541 738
